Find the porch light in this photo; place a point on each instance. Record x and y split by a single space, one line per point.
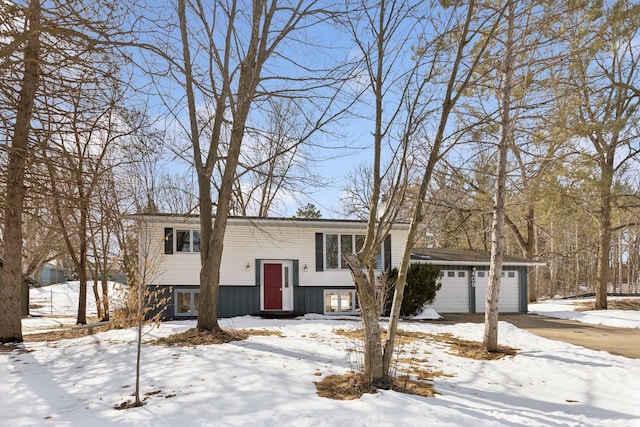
305 268
248 267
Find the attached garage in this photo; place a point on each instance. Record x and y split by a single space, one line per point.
464 275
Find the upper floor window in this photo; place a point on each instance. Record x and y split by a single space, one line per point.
187 240
337 245
177 240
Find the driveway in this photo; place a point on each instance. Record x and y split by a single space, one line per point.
620 341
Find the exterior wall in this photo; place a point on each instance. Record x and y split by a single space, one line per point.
509 299
459 294
455 292
246 243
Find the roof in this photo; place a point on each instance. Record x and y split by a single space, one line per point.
460 256
172 218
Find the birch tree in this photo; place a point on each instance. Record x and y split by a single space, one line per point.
490 339
408 92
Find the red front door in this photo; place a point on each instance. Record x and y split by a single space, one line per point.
272 274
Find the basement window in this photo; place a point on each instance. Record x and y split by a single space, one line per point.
339 301
187 302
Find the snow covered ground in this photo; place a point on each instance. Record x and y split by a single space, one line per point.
269 380
564 309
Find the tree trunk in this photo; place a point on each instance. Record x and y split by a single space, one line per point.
82 264
24 298
12 280
604 247
96 296
490 340
105 298
370 316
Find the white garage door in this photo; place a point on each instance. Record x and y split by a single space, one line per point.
509 300
453 296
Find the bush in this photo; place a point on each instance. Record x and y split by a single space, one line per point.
421 288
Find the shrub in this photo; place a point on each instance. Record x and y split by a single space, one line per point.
421 288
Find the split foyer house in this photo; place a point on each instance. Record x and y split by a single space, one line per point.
295 265
280 264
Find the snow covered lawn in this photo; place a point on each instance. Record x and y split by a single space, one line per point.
565 309
268 380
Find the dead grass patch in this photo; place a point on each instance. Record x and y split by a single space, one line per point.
65 334
410 386
265 333
474 349
353 385
194 336
458 347
349 386
422 374
129 404
405 336
632 304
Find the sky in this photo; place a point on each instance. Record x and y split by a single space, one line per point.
268 380
345 144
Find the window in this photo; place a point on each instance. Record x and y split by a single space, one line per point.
480 273
339 301
331 249
346 247
336 245
451 274
461 274
511 274
187 240
187 302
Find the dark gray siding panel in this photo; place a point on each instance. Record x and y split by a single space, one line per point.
238 300
310 299
296 275
524 293
472 290
166 293
232 300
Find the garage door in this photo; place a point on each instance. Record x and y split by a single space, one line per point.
509 300
453 296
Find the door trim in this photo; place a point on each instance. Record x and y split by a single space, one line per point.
287 282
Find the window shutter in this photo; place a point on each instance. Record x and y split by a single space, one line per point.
387 252
168 240
319 252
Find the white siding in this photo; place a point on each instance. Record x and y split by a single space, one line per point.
453 296
508 301
246 241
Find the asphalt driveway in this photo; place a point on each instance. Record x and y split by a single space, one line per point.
619 341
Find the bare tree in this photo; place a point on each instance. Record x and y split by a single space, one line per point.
602 110
12 279
490 340
406 99
230 73
276 161
465 60
57 39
